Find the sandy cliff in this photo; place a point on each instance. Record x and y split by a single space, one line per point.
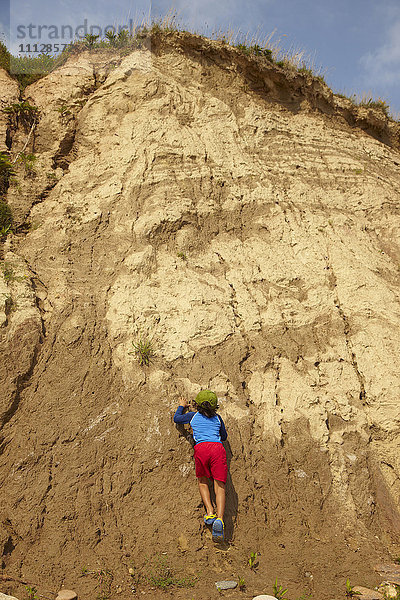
249 224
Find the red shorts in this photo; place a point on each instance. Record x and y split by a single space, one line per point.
210 461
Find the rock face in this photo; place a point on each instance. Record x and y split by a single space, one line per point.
255 240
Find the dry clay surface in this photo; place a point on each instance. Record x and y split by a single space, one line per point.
259 247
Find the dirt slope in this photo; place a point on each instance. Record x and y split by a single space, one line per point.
250 224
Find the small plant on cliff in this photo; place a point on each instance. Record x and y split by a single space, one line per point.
241 584
90 40
28 160
104 579
123 38
111 38
256 50
278 590
31 593
350 592
306 71
64 110
4 231
162 576
9 273
143 350
5 217
6 173
253 560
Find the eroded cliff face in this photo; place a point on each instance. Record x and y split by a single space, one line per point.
255 237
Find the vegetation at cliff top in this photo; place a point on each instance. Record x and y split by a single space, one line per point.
28 69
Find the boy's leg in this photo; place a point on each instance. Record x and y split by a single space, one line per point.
219 487
205 494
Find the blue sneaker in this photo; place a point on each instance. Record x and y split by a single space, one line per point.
218 530
209 519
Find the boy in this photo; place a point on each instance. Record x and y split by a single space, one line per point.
209 454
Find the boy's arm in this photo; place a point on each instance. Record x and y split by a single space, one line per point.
179 417
222 430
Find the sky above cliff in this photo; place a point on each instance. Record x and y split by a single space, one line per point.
356 45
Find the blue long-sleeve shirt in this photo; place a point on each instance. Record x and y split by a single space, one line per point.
205 429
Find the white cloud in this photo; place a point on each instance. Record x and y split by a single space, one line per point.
382 66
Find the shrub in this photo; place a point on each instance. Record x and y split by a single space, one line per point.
90 40
256 49
6 172
111 37
243 48
123 38
22 111
4 57
28 69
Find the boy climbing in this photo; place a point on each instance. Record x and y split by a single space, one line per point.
209 454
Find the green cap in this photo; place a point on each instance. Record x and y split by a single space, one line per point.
207 396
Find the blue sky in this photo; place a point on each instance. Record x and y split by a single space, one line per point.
355 42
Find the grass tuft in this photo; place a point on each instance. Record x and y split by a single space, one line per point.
28 161
162 576
366 100
350 592
278 591
143 350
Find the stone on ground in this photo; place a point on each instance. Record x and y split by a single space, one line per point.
67 595
264 597
367 594
5 597
226 585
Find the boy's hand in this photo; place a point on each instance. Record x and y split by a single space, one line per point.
183 402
